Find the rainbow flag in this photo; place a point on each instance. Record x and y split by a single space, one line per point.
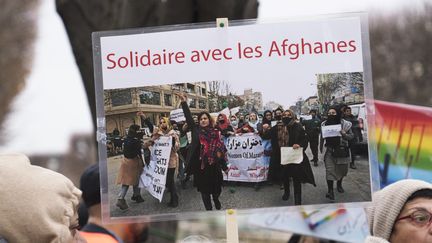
403 135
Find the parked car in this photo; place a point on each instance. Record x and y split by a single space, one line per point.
359 111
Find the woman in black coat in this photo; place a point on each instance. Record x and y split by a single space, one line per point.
290 133
206 156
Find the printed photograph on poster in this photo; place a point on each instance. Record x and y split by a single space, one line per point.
277 128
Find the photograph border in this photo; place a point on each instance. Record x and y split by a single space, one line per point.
101 125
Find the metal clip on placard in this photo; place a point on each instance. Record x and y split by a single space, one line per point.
232 226
222 22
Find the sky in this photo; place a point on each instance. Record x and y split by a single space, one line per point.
53 105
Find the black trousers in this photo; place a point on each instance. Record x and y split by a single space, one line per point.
170 183
206 198
297 189
313 142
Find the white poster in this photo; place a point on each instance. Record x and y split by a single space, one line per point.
345 225
234 110
291 156
245 155
153 178
177 115
331 131
245 67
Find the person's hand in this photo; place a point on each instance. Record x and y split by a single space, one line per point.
226 171
182 97
343 132
296 146
141 114
266 126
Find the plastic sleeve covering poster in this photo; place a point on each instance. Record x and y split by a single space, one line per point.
235 73
404 141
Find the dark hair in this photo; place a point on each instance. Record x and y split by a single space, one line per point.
90 185
208 116
133 130
423 193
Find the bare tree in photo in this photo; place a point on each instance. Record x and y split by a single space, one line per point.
401 55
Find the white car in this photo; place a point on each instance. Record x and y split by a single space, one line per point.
359 111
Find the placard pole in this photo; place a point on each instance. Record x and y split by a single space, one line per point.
232 226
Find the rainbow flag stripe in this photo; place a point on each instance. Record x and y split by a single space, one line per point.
403 135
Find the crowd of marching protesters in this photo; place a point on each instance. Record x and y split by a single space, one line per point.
198 150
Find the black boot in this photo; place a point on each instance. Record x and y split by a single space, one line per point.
330 193
339 186
174 200
286 187
207 201
137 198
216 201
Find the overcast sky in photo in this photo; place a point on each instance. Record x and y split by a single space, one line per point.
53 105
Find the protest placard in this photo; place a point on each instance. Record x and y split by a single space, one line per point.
246 160
153 178
349 226
177 115
331 131
243 69
291 156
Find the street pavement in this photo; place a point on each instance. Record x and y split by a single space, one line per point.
243 195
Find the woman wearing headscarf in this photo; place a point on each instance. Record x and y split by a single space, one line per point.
131 168
206 156
290 133
165 129
337 154
224 126
267 117
400 213
253 125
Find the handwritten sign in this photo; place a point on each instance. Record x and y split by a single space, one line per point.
177 115
235 110
331 131
153 178
291 156
226 112
246 158
351 226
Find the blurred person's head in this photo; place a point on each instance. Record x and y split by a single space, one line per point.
205 119
233 120
90 186
195 118
268 117
288 116
222 119
313 113
348 111
253 117
241 118
401 212
133 131
278 114
164 124
333 116
37 204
